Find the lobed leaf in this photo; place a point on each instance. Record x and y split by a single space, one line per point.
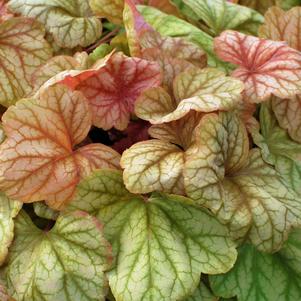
202 90
220 15
153 165
110 9
22 50
37 160
238 186
162 244
66 263
278 149
113 88
261 276
70 22
8 211
282 26
266 67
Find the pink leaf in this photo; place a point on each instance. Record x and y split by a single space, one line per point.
266 67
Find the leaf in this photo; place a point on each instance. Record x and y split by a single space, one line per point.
238 186
3 293
179 132
8 211
282 26
43 211
53 67
162 244
5 14
168 25
70 22
110 9
266 67
153 165
278 149
261 276
38 160
201 90
66 263
220 15
202 293
113 88
22 50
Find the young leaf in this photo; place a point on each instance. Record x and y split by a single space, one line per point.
66 263
113 88
70 22
22 50
37 161
238 186
261 276
282 26
8 211
162 244
278 149
201 90
153 165
220 15
266 67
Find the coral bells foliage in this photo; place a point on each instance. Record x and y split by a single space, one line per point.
150 150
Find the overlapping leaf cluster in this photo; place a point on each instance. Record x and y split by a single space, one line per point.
150 150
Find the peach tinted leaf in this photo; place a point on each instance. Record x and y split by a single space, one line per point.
283 26
22 50
113 89
110 9
243 191
53 67
201 90
153 165
37 161
5 14
266 67
179 132
70 22
288 114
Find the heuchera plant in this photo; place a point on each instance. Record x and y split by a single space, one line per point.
150 150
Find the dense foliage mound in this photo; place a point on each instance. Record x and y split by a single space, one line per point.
150 150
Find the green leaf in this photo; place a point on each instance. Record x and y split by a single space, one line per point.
100 52
8 211
278 148
66 263
243 191
43 211
202 293
220 15
162 244
69 21
261 276
169 25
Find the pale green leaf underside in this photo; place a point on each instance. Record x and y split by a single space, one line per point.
66 263
69 21
161 244
264 277
220 15
43 211
169 25
8 210
278 148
